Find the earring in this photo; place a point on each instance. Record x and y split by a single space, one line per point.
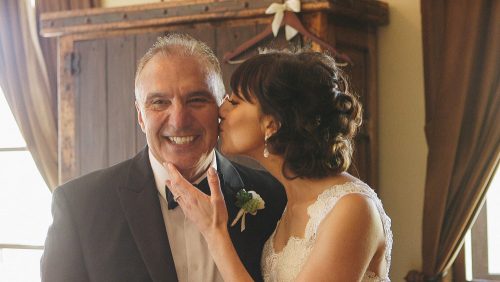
266 151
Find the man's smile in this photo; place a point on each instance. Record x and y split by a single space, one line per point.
181 140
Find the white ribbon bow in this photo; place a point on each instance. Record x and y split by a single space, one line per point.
279 12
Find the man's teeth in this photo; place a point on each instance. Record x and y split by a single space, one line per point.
181 140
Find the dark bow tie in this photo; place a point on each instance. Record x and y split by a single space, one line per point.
202 186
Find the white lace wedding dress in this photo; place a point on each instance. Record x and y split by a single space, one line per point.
285 265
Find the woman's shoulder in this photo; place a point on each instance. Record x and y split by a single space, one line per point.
354 214
357 215
352 205
350 199
342 185
355 206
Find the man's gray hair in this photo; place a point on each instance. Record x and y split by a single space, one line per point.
179 44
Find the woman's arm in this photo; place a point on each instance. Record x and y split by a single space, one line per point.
348 239
209 214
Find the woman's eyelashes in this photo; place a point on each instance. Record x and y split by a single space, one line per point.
231 101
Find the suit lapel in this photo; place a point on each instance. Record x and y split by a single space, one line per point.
141 206
231 184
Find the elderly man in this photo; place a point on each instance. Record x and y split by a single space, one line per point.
121 223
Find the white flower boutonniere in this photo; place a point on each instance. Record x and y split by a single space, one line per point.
248 202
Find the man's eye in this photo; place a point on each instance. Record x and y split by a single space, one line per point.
157 102
199 100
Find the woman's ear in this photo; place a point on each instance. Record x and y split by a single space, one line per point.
270 125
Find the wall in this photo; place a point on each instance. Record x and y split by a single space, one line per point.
402 150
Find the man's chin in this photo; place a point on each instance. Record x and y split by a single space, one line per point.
181 163
191 166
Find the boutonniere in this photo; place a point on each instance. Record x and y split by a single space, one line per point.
248 202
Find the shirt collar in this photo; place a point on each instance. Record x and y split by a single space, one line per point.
161 174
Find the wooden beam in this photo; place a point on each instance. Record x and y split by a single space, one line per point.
179 12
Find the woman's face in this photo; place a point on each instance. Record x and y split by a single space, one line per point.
240 130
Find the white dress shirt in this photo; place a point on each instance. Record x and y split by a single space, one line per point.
192 259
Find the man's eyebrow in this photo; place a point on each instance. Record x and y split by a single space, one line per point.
201 93
152 95
194 94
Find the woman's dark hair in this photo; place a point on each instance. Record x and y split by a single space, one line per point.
308 95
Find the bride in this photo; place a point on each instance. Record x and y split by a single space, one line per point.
294 114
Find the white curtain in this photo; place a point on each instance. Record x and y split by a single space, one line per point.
23 78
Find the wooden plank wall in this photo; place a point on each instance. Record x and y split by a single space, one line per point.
107 131
142 43
91 104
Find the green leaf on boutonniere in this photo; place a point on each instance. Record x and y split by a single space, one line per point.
242 197
248 202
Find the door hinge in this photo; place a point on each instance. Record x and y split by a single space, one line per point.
72 63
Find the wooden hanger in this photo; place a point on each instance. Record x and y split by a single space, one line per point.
290 19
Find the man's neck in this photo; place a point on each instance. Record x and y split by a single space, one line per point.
199 171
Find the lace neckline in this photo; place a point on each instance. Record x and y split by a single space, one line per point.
306 243
306 237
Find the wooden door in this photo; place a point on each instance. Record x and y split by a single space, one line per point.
97 117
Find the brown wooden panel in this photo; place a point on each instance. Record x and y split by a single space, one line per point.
68 165
185 12
202 32
91 133
142 44
121 114
228 38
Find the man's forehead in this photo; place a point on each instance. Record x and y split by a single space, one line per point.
173 59
188 67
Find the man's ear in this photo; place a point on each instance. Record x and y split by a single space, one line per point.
270 125
140 119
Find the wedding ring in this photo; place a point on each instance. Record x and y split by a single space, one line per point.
177 198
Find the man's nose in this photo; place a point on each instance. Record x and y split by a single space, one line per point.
179 116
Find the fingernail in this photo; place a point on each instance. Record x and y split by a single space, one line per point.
211 171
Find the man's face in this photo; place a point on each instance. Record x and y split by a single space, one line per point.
178 112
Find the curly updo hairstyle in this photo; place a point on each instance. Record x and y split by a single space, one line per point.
308 95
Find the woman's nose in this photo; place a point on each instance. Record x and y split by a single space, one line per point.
223 107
